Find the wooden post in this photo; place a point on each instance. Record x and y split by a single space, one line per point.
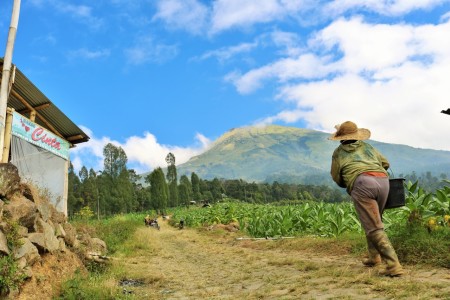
33 115
7 143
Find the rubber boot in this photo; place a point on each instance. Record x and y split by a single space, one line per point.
383 245
374 257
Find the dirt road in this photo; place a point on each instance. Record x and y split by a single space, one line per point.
213 264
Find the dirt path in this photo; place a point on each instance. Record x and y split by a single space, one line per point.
190 264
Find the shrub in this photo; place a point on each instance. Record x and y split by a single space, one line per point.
416 244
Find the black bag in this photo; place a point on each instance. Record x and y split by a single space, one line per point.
396 197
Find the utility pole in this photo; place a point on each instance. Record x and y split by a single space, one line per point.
7 62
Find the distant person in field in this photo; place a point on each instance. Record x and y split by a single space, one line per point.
361 169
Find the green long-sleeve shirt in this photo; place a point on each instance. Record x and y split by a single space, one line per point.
350 160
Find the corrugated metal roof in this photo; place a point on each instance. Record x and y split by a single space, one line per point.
48 115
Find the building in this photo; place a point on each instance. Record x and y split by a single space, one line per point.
38 137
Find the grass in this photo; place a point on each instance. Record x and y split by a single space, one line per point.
416 244
289 267
101 281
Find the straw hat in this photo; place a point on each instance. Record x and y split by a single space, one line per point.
349 131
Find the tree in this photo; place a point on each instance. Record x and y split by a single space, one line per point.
83 174
185 190
216 189
90 190
172 180
116 181
183 193
195 181
141 194
74 200
115 160
159 190
171 173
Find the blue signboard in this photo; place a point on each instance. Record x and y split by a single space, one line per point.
39 136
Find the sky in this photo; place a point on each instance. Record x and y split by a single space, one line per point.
160 76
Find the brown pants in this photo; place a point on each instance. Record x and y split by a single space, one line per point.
369 196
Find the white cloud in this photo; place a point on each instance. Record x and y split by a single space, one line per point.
445 17
226 53
82 13
147 50
222 15
218 16
391 79
243 13
384 7
144 153
367 46
289 42
88 54
188 15
307 66
89 154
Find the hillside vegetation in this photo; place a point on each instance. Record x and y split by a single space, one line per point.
236 250
218 261
296 155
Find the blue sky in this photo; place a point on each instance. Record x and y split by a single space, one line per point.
159 76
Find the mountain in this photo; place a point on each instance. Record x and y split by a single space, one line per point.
295 155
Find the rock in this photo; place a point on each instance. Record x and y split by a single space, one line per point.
31 193
71 235
22 210
13 294
44 210
59 231
95 249
22 231
9 180
4 226
62 245
48 240
57 217
27 251
98 245
21 263
27 214
1 209
38 240
3 244
25 268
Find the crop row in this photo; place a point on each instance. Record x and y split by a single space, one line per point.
319 218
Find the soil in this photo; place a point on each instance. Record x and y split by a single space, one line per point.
48 275
219 263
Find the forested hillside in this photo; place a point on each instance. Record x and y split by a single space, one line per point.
302 157
117 189
295 155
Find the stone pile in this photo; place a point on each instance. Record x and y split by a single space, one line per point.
38 227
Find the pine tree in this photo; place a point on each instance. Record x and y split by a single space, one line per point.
172 180
195 181
159 190
116 180
115 160
185 191
74 200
